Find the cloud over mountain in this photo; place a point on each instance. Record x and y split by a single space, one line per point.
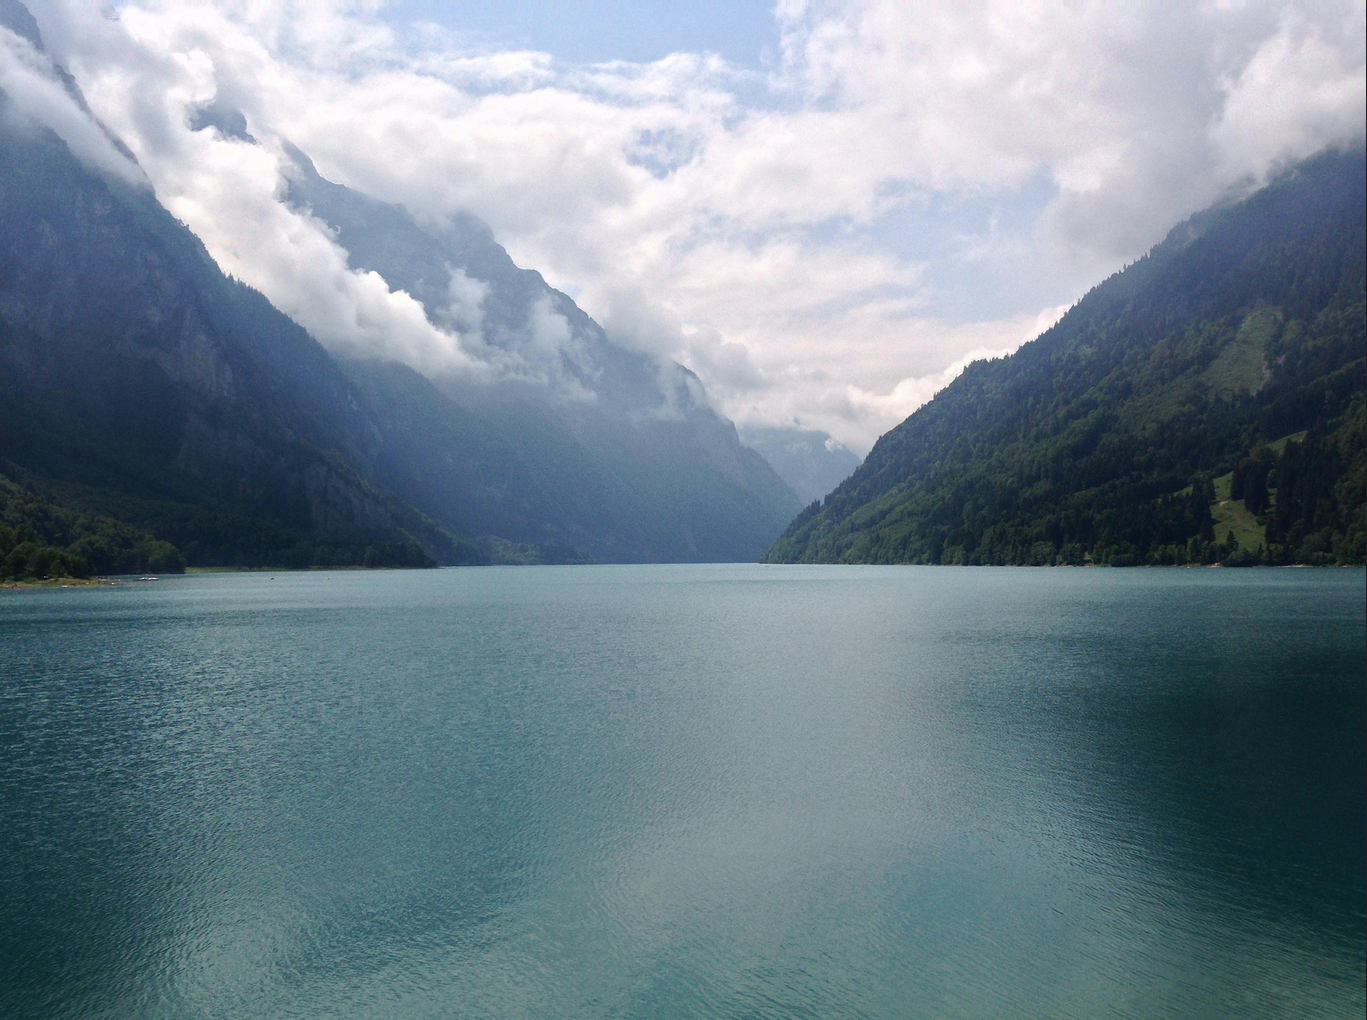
827 239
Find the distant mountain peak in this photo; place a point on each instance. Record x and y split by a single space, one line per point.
810 461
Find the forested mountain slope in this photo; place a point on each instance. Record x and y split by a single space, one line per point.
1215 386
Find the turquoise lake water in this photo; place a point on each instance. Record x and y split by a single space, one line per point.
686 791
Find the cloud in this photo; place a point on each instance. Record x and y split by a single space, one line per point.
910 393
1263 122
37 96
554 353
845 403
229 192
908 187
725 362
464 309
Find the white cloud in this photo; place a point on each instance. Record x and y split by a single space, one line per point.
841 403
1263 121
38 98
797 239
464 309
229 192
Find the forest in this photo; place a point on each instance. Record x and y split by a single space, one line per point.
40 539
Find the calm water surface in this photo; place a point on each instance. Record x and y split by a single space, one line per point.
704 791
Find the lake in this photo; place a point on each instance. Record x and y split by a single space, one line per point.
686 791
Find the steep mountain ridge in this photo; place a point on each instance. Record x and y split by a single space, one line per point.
1098 441
584 445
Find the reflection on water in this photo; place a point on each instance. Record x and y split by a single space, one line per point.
736 791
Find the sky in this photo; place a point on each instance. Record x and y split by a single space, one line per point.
824 209
744 32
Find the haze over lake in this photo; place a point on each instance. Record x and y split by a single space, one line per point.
679 791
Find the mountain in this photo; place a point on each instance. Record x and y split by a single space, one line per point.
810 461
1204 404
155 412
580 443
147 399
